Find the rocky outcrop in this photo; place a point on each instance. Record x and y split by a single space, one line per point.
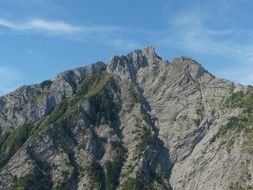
127 66
31 103
138 122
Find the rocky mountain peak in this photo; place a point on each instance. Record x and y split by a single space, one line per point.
188 65
127 66
144 57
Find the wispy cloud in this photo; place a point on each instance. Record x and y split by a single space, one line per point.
40 25
114 36
9 80
57 27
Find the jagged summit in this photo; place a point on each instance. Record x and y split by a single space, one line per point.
127 66
148 56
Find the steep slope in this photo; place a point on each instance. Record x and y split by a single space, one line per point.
138 122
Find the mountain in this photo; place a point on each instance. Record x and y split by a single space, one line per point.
138 122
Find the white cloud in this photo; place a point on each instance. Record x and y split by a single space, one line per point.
57 27
51 26
9 80
113 36
40 25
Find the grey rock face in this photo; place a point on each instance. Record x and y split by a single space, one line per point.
30 103
66 83
137 123
127 66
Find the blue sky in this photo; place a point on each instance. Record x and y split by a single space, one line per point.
40 38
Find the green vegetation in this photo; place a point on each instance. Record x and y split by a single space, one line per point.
63 184
153 181
134 93
240 100
39 179
96 174
38 94
60 134
68 177
160 181
130 183
89 87
197 122
97 90
3 138
11 142
93 84
200 111
145 139
59 111
113 168
105 110
46 84
240 123
234 124
237 185
92 88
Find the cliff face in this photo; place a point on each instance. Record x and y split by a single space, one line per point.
138 122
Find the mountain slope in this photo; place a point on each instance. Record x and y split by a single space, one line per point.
138 122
